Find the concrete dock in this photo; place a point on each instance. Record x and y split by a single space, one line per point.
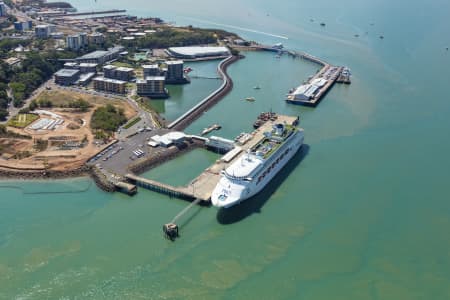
329 73
203 185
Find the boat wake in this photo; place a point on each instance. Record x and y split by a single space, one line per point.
239 28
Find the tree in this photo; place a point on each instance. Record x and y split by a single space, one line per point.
3 114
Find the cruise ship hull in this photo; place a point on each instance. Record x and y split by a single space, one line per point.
229 192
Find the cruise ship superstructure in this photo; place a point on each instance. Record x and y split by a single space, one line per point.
254 169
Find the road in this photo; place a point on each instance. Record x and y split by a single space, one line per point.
15 110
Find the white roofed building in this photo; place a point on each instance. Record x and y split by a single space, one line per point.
308 91
198 51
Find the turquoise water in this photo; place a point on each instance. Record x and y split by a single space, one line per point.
361 213
183 97
181 171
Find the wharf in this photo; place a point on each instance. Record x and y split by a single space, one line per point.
328 72
101 12
203 186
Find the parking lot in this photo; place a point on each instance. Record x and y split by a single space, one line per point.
118 157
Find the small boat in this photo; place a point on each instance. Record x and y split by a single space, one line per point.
187 70
258 124
250 99
381 37
211 128
322 24
256 87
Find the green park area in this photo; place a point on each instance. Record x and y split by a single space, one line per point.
22 120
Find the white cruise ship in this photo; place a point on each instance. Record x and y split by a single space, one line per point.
254 169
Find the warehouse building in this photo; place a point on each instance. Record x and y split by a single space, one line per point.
101 56
198 52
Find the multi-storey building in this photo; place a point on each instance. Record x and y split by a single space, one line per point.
66 76
43 31
21 26
151 70
110 85
96 38
175 72
152 86
120 73
77 41
3 9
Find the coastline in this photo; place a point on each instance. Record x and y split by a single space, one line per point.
82 171
98 177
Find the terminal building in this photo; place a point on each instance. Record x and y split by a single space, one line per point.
308 91
110 85
119 73
100 56
168 139
67 76
152 86
198 52
151 70
174 73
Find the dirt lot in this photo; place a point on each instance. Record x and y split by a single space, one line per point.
61 98
72 133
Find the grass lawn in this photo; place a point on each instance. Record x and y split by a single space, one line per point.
22 120
61 98
122 64
131 123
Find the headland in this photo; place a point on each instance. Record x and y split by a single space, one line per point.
90 114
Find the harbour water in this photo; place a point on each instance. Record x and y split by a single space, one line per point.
361 213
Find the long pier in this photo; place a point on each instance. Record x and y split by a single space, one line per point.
204 77
99 12
179 192
188 117
306 56
329 72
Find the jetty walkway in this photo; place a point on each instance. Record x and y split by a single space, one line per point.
203 185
